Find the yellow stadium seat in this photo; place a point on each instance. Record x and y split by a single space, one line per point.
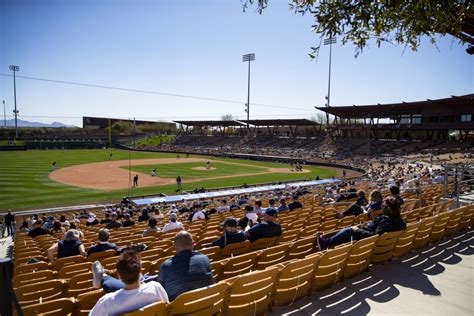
405 240
57 307
453 222
44 291
26 268
79 284
86 301
262 243
383 250
239 265
359 257
155 309
300 248
294 280
99 256
330 268
213 253
235 249
251 293
289 235
423 233
437 232
201 302
58 264
33 277
271 256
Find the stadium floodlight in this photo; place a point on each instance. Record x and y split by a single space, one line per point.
4 114
329 41
248 58
15 68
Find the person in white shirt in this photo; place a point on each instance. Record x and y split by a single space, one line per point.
197 213
127 294
223 207
173 224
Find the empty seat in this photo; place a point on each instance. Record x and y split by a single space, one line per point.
423 233
235 249
437 232
99 256
58 264
79 284
26 268
271 256
300 248
201 302
213 253
57 307
359 257
262 243
329 270
239 265
251 293
383 250
33 277
45 291
86 301
405 240
453 221
294 280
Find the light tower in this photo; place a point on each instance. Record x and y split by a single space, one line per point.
249 58
15 111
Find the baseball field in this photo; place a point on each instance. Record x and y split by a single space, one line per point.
27 180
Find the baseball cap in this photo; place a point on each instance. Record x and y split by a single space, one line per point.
271 212
230 222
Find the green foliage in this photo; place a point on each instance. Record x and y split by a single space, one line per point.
153 141
396 22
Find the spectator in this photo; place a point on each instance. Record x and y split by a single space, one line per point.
231 234
283 206
151 228
103 243
223 207
395 192
127 294
106 220
389 221
9 221
187 270
271 204
251 215
173 224
257 207
38 229
68 247
375 203
295 204
49 223
197 213
113 223
24 227
57 228
357 207
144 216
127 222
92 220
266 229
64 222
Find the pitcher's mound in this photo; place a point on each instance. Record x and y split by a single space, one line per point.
203 168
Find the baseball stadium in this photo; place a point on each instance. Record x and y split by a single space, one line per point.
140 177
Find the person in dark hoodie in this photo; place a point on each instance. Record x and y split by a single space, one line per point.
231 234
390 220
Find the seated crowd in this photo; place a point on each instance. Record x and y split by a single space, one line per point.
188 269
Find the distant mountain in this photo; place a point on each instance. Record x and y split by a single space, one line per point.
23 123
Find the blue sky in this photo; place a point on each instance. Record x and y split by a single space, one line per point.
194 48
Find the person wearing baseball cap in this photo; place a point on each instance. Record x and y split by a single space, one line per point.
266 229
231 233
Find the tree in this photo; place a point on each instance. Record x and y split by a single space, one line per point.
397 22
227 117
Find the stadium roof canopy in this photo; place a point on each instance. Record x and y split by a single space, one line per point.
225 123
454 106
283 122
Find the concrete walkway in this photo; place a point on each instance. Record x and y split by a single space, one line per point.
436 281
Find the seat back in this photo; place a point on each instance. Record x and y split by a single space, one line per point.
99 256
44 291
346 221
467 217
438 227
201 302
86 301
213 253
33 277
289 235
26 268
71 270
239 265
155 309
271 256
405 240
294 280
251 293
359 257
235 249
152 254
328 225
57 307
58 264
301 248
453 222
423 233
79 284
262 243
384 247
330 268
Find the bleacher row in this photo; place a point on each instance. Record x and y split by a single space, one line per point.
251 276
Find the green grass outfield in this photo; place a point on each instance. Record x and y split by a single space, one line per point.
24 182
